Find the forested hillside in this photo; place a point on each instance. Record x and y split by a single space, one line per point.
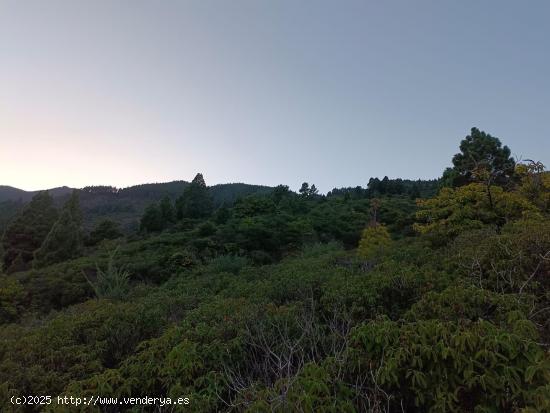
123 205
400 296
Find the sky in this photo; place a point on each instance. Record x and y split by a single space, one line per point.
265 91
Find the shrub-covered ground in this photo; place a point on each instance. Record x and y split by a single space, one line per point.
357 301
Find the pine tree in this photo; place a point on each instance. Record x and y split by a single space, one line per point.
313 190
481 158
306 191
280 192
27 232
196 201
65 239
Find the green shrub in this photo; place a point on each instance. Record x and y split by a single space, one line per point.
442 366
227 263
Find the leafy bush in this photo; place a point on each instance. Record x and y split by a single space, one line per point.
374 241
12 299
454 366
228 263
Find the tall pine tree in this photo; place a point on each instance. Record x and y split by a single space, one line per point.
196 201
481 155
65 239
27 232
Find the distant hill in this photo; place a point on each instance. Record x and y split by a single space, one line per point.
9 193
125 205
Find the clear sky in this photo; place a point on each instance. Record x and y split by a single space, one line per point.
265 91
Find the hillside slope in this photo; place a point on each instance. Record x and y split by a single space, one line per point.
125 205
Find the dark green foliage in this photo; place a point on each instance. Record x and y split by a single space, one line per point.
196 201
253 205
469 303
222 214
453 366
206 229
307 191
212 326
56 287
280 192
480 153
8 209
152 220
122 205
75 345
228 263
12 299
158 216
271 304
167 211
228 194
27 232
386 186
65 239
104 230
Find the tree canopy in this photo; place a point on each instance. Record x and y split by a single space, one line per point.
65 239
196 201
26 233
481 157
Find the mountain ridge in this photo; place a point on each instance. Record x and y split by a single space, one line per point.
123 205
11 193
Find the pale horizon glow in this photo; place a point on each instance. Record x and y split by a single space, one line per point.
264 92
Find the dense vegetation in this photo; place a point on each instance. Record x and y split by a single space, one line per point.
124 206
401 296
